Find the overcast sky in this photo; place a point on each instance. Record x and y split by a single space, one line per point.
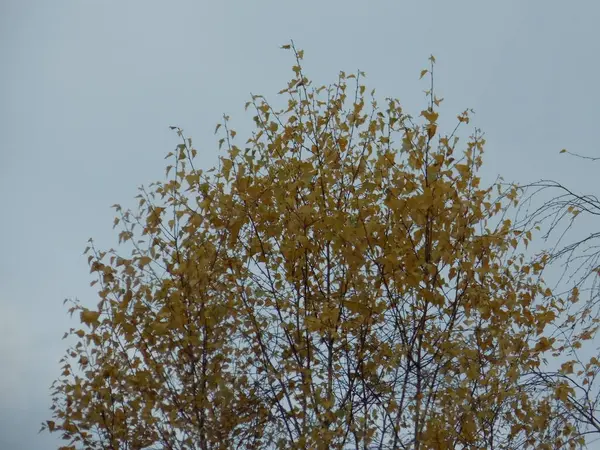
88 89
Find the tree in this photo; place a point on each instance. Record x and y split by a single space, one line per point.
580 264
341 282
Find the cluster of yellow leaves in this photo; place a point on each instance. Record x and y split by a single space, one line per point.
342 281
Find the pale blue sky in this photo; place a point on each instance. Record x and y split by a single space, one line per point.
88 89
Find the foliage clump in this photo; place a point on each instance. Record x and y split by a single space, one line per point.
342 281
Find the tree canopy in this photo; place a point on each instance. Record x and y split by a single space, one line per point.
341 280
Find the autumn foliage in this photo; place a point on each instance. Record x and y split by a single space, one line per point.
342 280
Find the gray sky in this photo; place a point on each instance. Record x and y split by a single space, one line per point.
88 89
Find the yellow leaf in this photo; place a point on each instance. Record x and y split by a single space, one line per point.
144 261
562 392
312 324
567 368
430 116
468 426
431 129
227 164
89 317
543 344
356 307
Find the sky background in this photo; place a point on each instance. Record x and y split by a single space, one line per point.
89 88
